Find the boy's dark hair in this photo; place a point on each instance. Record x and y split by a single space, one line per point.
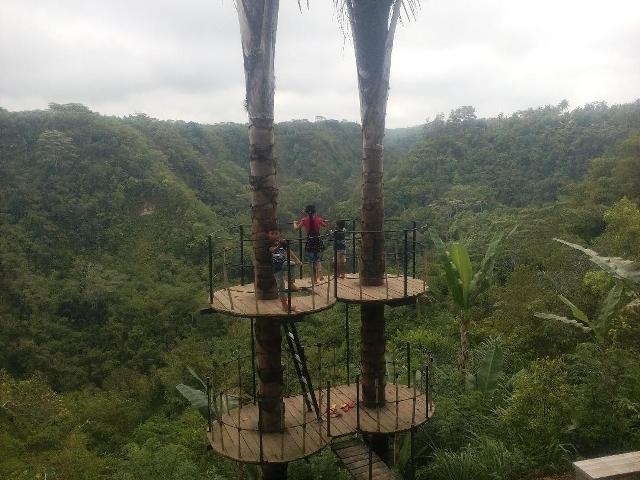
340 224
310 210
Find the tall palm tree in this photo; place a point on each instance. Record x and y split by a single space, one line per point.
258 25
373 24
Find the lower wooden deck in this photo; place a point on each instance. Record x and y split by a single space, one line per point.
303 435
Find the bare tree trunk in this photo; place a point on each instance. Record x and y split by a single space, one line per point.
258 26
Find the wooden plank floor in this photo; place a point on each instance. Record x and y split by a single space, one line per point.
349 289
298 441
354 457
240 301
624 466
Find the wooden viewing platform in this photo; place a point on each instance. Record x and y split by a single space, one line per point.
240 300
301 439
354 455
624 466
391 291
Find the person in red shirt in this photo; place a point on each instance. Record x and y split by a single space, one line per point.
312 223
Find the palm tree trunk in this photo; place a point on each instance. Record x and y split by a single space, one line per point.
373 29
258 26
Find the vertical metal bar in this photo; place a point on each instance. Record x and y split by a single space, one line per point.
209 405
260 430
335 267
397 404
357 403
413 452
304 428
346 331
253 362
328 409
353 246
319 373
408 364
210 269
300 250
413 411
289 278
370 459
377 387
413 248
241 254
282 429
405 260
220 424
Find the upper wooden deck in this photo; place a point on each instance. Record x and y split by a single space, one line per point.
301 439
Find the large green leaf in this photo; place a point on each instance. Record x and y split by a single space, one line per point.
483 276
568 321
575 311
197 398
460 258
196 376
489 369
610 303
616 266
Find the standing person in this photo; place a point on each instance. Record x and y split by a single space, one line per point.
339 237
312 223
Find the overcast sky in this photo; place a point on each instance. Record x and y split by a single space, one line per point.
182 59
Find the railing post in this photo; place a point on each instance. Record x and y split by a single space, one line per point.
353 246
260 429
210 269
413 452
405 266
335 267
408 364
357 403
413 248
346 332
209 406
253 361
241 254
300 256
289 277
328 409
370 459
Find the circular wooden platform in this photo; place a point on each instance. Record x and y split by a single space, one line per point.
391 291
297 442
240 300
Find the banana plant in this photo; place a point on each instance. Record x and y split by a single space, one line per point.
489 369
220 404
598 326
465 285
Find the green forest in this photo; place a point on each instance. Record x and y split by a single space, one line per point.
103 273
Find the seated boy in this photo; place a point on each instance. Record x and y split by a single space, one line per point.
278 250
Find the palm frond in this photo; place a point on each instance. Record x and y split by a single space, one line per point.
568 321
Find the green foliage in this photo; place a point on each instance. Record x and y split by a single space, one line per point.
489 368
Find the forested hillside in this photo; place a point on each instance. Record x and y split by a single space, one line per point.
103 223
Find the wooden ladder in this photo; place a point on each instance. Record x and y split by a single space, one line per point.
300 363
355 456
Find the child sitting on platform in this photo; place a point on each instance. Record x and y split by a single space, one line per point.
278 250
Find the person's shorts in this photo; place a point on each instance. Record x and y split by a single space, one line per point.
313 257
